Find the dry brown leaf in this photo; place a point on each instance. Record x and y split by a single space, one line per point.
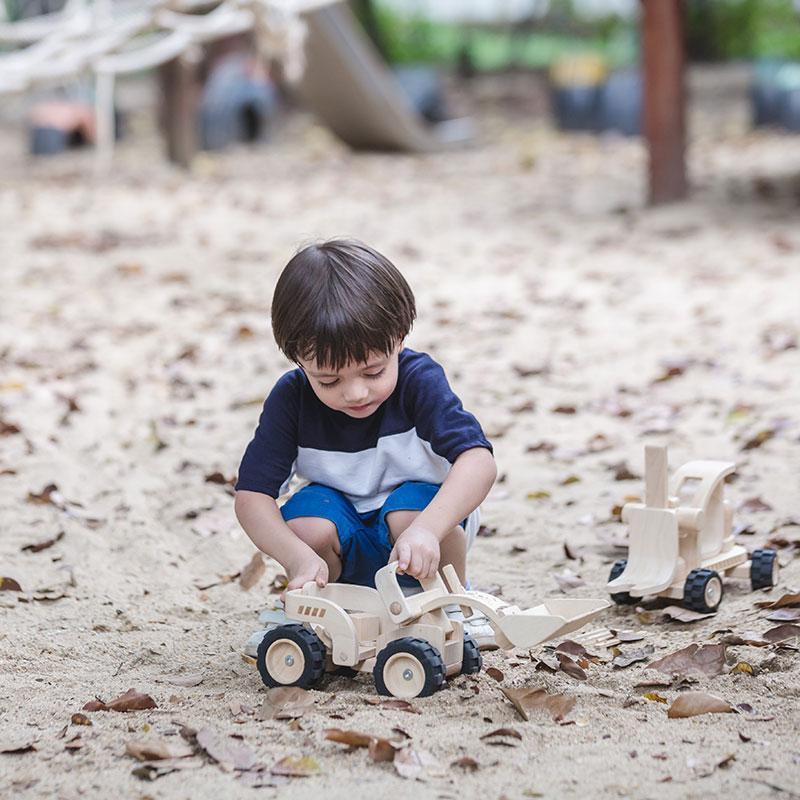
285 702
37 547
131 701
154 748
80 719
9 585
17 743
495 673
532 699
229 754
253 572
692 704
654 697
754 504
625 659
296 767
707 659
681 614
380 749
790 599
781 633
511 733
466 763
570 667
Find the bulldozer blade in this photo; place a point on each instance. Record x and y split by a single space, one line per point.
652 552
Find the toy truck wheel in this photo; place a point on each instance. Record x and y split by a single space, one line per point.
471 660
620 598
291 655
764 569
407 668
702 591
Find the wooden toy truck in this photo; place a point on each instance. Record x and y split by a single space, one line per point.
681 540
407 643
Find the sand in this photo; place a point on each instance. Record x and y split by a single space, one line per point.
134 354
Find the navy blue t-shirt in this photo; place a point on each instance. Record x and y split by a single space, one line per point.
415 435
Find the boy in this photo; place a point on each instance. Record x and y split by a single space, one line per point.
397 468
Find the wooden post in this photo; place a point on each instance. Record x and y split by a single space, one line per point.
180 93
664 98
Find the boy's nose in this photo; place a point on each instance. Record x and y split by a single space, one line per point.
355 393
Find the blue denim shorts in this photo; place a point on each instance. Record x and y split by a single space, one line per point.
364 539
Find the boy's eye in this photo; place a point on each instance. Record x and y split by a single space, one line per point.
329 383
375 374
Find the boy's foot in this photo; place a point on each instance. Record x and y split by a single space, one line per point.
477 626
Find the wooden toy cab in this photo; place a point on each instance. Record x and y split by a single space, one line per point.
681 540
408 643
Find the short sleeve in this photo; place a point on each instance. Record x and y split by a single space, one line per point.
438 415
269 458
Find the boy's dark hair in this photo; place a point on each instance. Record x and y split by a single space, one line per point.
339 301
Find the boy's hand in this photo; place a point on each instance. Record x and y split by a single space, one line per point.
312 568
417 551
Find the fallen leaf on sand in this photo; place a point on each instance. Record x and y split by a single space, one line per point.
707 659
17 744
681 614
36 547
296 766
691 704
129 701
285 702
380 749
9 585
495 673
791 599
570 667
393 702
228 753
784 615
466 763
509 733
155 748
754 504
80 719
781 633
411 763
625 659
253 572
536 700
654 697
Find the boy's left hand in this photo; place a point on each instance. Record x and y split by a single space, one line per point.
417 551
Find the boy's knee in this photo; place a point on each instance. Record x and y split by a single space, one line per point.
318 533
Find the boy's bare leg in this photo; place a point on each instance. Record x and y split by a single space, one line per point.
452 549
321 536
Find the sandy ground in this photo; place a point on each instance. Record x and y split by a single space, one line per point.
134 354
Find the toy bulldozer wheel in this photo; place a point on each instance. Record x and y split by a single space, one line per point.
763 569
620 598
471 660
291 655
702 591
407 668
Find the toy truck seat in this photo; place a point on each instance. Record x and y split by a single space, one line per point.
700 485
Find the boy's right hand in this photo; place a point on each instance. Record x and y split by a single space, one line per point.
312 568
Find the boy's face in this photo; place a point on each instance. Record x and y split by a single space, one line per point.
358 389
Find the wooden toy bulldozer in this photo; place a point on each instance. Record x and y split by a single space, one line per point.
681 540
409 644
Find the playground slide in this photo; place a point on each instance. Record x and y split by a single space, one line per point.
352 91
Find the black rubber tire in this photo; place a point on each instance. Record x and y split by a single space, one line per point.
694 590
309 643
471 660
761 569
424 652
621 598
